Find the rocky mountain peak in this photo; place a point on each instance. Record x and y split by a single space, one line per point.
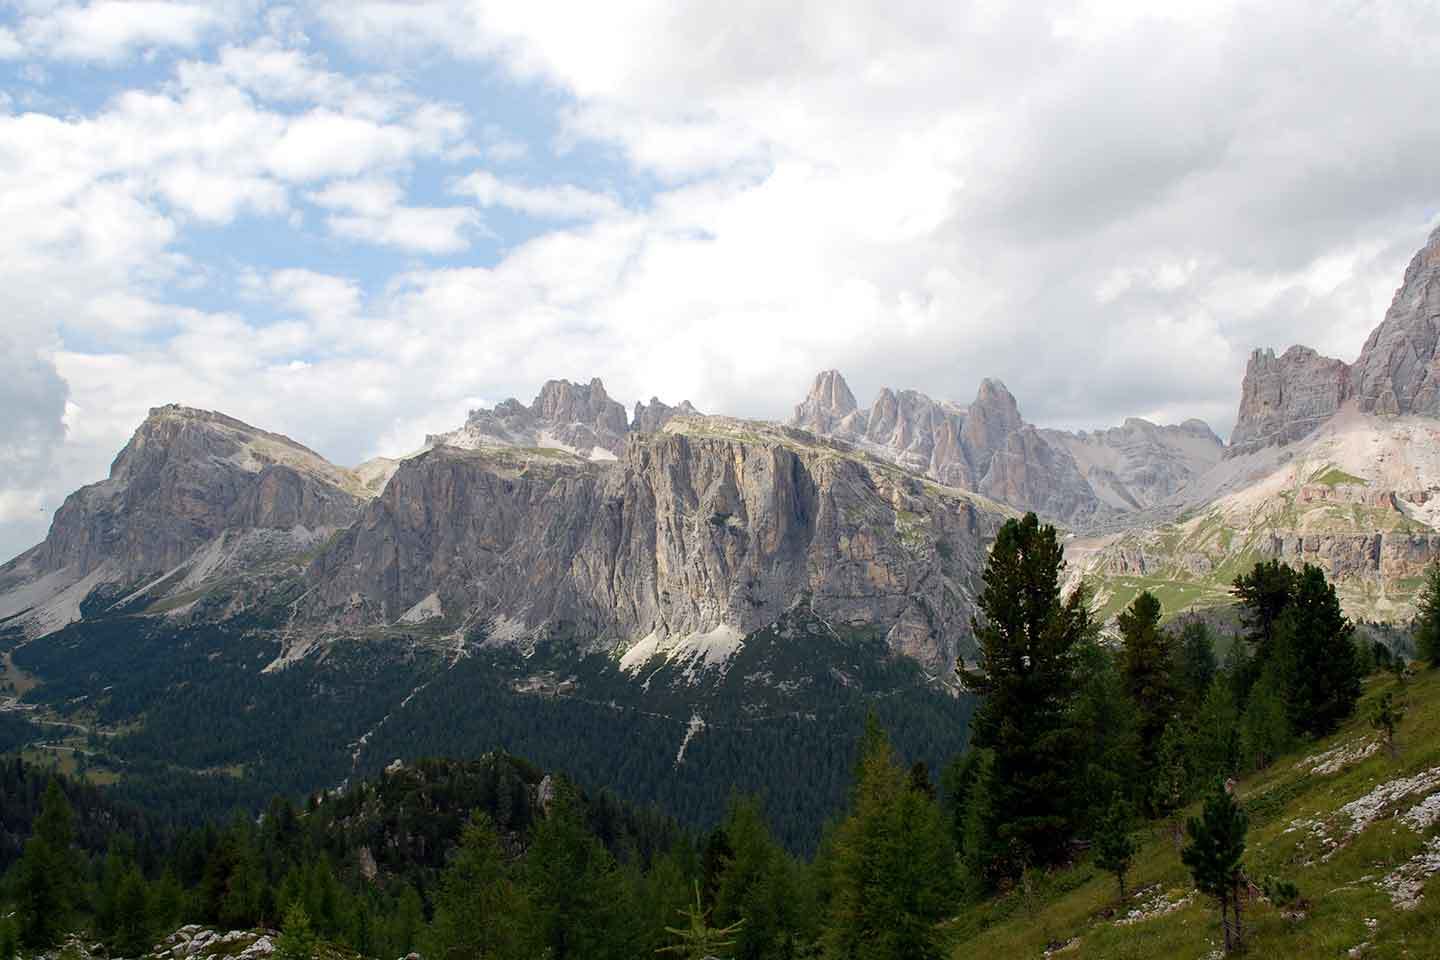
1285 398
193 494
1398 372
998 401
651 417
561 402
577 417
828 402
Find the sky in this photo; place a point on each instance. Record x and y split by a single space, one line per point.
350 221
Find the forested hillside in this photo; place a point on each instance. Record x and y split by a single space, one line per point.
1143 758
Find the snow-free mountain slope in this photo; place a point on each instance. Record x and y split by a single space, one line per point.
696 536
192 492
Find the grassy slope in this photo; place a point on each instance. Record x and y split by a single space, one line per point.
1081 903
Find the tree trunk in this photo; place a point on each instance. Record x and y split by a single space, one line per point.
1239 927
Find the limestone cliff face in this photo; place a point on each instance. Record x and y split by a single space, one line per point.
709 529
580 418
186 478
1285 399
1398 371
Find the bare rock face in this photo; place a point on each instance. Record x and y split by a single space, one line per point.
826 406
580 418
1140 464
1398 371
186 479
1285 399
651 417
985 446
702 533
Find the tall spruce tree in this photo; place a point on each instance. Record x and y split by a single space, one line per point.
1427 617
1146 665
1195 663
49 871
1314 657
1264 593
1027 634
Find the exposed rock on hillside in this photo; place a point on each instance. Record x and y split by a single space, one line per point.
191 491
1397 372
1140 464
1285 399
987 446
651 417
1358 497
699 535
578 418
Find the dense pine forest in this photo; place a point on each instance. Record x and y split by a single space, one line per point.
1080 738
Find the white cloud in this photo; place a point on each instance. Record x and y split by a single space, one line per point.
111 30
1106 205
560 202
370 211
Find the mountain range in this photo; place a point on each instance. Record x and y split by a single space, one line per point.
666 602
670 533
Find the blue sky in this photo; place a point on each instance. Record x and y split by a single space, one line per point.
351 221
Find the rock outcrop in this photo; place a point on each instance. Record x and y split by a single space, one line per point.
651 417
1398 371
189 481
702 534
579 418
986 446
1285 398
1140 464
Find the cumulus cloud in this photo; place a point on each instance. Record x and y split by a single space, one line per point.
1106 205
371 211
562 202
111 30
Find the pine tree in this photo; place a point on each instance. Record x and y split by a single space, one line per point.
297 940
1217 845
1146 665
1171 785
1385 717
1114 841
1027 634
697 940
1427 617
1108 722
570 885
1314 657
1264 727
477 906
1264 593
756 885
48 872
1213 747
1195 662
133 934
893 870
